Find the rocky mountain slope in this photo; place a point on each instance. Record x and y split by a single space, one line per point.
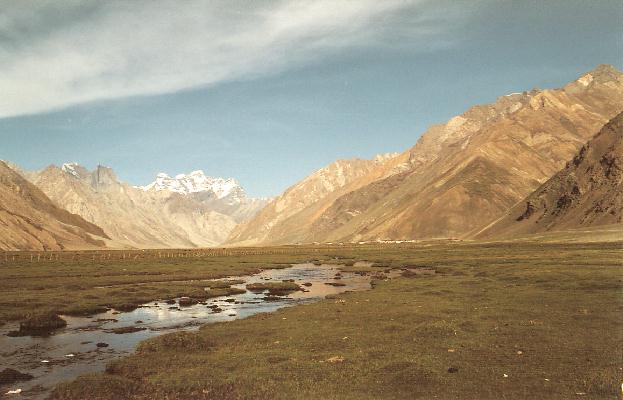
459 176
587 192
286 218
29 220
138 217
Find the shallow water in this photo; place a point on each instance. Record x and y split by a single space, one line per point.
72 351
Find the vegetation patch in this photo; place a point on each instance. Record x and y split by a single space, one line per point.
179 341
273 287
187 301
9 376
126 329
39 325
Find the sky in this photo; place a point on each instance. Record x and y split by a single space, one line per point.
269 91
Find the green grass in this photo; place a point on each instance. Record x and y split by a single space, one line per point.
83 288
548 316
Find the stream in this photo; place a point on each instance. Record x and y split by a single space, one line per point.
87 344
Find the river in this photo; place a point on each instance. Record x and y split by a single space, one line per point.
74 351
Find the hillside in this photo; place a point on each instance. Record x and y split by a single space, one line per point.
29 220
588 192
460 176
287 217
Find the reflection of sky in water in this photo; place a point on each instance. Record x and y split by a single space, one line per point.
81 334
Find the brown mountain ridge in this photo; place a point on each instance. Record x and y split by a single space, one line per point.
588 192
29 220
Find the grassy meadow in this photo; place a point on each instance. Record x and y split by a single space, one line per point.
513 320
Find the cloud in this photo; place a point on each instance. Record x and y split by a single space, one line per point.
57 54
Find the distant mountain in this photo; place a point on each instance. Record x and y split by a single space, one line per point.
459 177
135 217
196 182
587 192
225 196
29 220
286 218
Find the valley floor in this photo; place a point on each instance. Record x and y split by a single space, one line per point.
516 320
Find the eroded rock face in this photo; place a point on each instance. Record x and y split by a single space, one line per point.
484 161
588 191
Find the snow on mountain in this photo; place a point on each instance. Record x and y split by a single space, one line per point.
70 168
196 182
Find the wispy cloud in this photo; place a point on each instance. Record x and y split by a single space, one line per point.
56 54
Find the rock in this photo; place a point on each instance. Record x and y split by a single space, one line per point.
335 283
102 344
9 376
453 370
170 301
335 359
230 300
307 284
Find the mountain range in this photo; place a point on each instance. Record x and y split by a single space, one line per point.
459 177
170 212
528 162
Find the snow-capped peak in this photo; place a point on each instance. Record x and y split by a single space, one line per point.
70 168
195 182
